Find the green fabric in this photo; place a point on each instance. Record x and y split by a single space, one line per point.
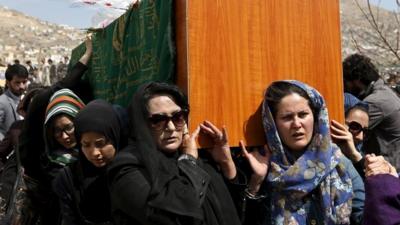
64 157
136 48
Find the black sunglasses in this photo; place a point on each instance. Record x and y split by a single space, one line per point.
160 121
355 128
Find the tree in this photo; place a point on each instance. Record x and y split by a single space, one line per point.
382 40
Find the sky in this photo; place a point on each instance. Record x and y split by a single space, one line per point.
56 11
387 4
62 11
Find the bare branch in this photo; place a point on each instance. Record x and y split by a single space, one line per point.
376 27
365 14
377 11
396 18
378 40
358 47
372 40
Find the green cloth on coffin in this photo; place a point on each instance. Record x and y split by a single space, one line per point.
136 48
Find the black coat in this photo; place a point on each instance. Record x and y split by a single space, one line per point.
130 189
32 145
84 198
149 186
82 187
31 142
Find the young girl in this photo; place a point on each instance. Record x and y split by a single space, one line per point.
82 186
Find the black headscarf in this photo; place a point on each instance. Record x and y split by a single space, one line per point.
101 117
159 167
98 116
168 192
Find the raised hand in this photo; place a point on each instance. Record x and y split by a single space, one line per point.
89 49
89 43
344 139
189 145
375 165
259 163
220 152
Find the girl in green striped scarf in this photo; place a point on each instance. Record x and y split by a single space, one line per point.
59 130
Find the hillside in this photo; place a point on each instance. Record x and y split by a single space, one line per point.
24 37
357 34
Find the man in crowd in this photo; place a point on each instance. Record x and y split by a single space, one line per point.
16 84
31 71
361 78
52 71
44 73
62 68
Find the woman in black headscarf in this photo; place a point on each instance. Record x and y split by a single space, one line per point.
33 149
159 178
82 186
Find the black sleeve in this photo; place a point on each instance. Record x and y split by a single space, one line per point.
236 187
256 212
197 176
250 211
360 167
64 189
75 82
6 146
10 139
130 190
31 141
73 78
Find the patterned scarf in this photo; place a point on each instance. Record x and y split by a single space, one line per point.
318 170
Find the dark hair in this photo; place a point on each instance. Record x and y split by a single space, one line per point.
16 70
359 67
361 107
52 141
28 99
278 90
156 88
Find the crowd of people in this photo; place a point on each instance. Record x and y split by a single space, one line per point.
98 163
45 72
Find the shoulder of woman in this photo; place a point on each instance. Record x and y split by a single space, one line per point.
346 162
349 168
63 181
124 158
